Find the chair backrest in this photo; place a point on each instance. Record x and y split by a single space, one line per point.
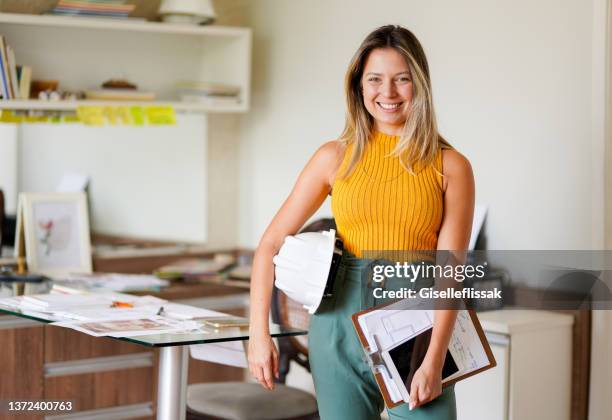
289 313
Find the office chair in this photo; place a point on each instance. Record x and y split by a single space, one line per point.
245 401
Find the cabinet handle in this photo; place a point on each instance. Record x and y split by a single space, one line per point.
113 413
99 364
499 339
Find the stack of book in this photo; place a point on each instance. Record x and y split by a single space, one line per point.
14 80
213 94
115 9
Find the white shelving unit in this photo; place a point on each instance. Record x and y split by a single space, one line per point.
82 53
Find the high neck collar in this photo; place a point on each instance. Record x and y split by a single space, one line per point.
384 137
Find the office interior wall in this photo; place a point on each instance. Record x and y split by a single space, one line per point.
145 182
513 89
223 169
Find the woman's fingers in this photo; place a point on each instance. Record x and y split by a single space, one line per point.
267 374
424 393
414 395
275 363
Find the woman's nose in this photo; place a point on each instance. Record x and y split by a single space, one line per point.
388 89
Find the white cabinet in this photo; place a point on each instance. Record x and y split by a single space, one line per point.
532 380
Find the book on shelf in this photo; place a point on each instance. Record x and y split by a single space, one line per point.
211 100
6 92
24 77
12 66
14 80
88 8
207 88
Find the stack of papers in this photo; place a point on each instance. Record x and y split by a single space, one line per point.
93 314
212 94
196 267
113 314
115 282
59 302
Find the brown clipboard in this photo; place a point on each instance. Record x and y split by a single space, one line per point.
379 378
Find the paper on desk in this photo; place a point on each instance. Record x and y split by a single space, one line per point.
175 311
129 327
180 311
230 353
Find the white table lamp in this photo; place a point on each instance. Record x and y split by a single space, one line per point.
187 11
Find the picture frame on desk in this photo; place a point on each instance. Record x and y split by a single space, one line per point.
53 233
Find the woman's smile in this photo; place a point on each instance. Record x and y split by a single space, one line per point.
389 106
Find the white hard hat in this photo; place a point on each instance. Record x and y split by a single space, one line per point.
306 266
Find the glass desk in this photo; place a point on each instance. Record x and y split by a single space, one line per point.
173 357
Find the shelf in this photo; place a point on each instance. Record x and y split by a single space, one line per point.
121 25
35 105
153 55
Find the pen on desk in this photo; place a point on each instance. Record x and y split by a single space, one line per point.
160 311
119 304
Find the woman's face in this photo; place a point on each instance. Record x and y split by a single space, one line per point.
387 89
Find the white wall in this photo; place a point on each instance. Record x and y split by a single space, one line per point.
512 86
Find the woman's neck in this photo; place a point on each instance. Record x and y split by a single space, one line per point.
388 129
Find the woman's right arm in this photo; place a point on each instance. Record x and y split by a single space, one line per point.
309 192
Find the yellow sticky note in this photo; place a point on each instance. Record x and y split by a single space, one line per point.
137 114
8 116
110 112
36 119
123 115
71 118
91 115
161 115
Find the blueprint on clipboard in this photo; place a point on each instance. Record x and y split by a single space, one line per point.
385 329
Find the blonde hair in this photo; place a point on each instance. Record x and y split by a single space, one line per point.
419 143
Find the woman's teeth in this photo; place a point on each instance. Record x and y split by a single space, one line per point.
389 106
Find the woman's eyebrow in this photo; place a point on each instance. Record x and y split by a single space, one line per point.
380 74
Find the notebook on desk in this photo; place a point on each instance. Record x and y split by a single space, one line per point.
395 342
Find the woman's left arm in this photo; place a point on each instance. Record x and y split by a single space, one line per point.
454 235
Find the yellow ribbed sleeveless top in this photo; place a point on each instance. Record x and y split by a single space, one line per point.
381 206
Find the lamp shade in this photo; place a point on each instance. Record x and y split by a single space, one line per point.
187 11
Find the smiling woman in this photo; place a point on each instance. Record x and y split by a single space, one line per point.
395 184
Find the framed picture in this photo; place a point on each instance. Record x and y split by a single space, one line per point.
53 232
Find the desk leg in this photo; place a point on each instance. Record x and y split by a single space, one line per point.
172 383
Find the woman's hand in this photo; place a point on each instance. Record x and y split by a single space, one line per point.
426 385
263 359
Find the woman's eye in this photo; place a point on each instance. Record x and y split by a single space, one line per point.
374 79
404 79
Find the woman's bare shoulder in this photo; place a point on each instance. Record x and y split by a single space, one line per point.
456 167
454 163
329 157
332 149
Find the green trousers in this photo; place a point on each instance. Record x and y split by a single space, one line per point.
344 384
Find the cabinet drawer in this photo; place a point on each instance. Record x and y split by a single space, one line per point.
62 344
102 389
